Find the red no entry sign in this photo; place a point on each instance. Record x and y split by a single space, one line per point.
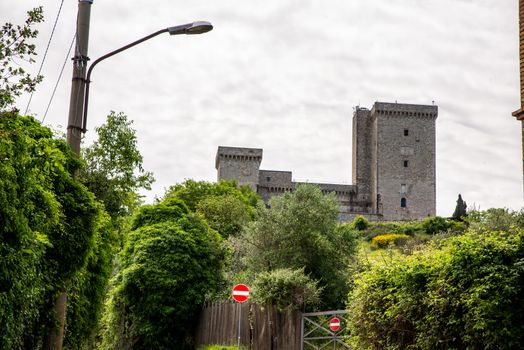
334 324
240 293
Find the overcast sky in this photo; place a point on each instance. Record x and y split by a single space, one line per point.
285 76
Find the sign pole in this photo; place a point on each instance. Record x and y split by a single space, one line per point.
240 294
239 318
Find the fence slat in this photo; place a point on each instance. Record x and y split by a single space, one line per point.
262 327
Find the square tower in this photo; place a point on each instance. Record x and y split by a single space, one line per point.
241 164
394 159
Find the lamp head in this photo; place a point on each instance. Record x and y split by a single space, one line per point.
198 27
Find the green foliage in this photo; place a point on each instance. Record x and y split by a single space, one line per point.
47 227
89 289
168 210
167 269
114 170
387 240
496 219
464 292
15 47
460 209
429 226
436 224
226 207
226 214
286 288
299 231
360 223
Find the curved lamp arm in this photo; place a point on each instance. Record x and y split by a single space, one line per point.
189 28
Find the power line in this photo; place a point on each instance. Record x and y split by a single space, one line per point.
45 53
60 76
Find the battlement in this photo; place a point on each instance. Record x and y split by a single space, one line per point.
404 110
238 153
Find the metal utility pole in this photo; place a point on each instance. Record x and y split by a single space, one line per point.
55 337
76 104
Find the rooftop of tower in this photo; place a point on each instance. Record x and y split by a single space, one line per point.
414 110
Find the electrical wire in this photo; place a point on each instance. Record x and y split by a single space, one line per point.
45 53
60 76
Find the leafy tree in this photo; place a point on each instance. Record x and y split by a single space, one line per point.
114 171
170 263
226 207
15 46
299 231
48 221
460 209
228 214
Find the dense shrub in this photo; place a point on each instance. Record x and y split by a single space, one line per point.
435 224
387 240
360 223
464 292
286 288
166 271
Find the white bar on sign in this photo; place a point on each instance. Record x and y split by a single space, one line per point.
240 292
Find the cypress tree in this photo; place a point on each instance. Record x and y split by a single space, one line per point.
460 209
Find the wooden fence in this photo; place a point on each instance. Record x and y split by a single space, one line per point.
262 327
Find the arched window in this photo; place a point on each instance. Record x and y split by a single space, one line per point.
403 202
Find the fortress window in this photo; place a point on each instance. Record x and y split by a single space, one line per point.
406 132
403 202
268 178
403 188
405 164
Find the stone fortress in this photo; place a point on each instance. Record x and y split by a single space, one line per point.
393 169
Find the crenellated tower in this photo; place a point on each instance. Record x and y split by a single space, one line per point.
241 164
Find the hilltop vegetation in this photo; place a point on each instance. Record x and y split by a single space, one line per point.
460 290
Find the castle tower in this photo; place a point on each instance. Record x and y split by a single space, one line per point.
241 164
394 159
361 148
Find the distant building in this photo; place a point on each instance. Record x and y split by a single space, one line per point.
519 114
393 166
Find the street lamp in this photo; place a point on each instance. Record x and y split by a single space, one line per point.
198 27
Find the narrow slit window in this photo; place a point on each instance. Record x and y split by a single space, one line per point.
403 202
406 164
406 132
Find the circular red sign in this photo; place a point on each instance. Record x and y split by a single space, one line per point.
334 324
240 293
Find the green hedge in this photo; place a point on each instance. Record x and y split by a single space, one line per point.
465 292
